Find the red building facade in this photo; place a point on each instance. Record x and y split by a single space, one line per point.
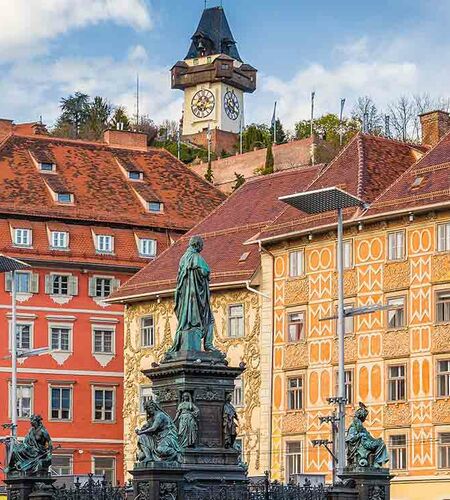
86 217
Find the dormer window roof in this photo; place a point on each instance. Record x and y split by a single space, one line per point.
43 159
130 169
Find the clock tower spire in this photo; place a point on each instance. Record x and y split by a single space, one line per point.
214 79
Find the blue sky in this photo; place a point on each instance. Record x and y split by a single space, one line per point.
50 48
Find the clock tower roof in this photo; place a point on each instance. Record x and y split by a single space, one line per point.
213 36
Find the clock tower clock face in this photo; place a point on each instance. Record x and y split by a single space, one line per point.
203 103
231 105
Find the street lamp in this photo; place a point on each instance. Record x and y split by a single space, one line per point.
9 264
316 202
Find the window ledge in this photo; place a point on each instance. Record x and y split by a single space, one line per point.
104 252
16 245
59 249
103 421
61 299
100 301
60 356
23 296
103 359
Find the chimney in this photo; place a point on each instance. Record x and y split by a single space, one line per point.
435 124
125 139
6 128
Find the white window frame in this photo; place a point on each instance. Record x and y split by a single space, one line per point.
238 392
50 336
151 242
101 245
439 450
291 456
57 195
58 237
104 328
114 468
150 329
52 284
398 452
295 395
21 385
161 207
445 307
140 175
236 323
114 402
392 314
443 237
348 254
30 277
20 323
296 264
143 388
442 378
63 455
397 383
19 234
50 408
396 245
53 169
289 323
111 286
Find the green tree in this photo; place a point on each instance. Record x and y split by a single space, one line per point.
270 162
74 111
97 119
255 136
365 111
209 175
328 127
280 134
120 119
240 179
147 126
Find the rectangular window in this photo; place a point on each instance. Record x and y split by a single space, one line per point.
61 403
296 263
155 206
147 247
24 401
397 448
443 307
46 167
396 315
23 282
62 465
103 405
105 243
60 284
147 331
23 337
103 287
348 385
444 237
59 239
236 320
145 395
396 245
106 467
293 459
397 383
60 338
296 326
103 341
63 197
295 393
238 393
22 237
443 378
348 254
135 175
444 450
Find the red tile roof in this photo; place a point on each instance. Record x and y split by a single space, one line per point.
225 231
365 168
101 190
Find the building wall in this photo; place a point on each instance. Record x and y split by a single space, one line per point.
80 437
370 348
246 348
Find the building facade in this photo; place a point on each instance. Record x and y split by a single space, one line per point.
85 217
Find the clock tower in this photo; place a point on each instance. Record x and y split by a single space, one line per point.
214 80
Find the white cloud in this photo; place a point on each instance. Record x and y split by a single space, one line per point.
27 25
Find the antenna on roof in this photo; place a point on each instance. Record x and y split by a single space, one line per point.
341 125
387 125
137 101
40 119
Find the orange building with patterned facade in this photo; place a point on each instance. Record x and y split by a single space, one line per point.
86 217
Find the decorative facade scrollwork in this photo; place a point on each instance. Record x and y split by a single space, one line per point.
296 291
396 343
441 411
294 423
440 268
296 356
351 349
397 415
396 276
208 395
440 339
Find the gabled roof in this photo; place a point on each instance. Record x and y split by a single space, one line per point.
426 183
365 168
215 29
102 192
225 231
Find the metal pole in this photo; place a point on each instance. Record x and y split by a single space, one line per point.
340 332
14 359
241 135
333 438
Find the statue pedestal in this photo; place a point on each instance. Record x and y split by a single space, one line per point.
370 483
209 463
21 487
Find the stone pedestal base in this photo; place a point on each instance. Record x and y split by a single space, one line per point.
21 488
370 483
157 482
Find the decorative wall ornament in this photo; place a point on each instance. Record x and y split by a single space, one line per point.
397 415
296 291
294 423
396 343
441 412
396 276
296 356
165 395
440 268
168 491
440 339
208 395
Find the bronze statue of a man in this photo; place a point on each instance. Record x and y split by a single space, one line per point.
192 302
363 450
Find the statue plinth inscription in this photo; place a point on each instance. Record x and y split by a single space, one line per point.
193 388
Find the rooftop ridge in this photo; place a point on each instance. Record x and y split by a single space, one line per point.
361 170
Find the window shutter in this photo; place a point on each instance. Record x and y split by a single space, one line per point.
115 285
48 283
35 283
73 285
8 281
92 282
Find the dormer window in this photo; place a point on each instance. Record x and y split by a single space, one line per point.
147 247
135 175
22 237
59 240
47 167
155 206
64 197
104 243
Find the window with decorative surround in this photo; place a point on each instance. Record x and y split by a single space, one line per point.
396 245
295 393
443 237
147 331
236 324
103 404
397 383
23 237
293 459
397 449
296 263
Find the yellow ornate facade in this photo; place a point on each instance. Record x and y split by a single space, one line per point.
392 357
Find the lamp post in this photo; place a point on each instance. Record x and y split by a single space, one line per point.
316 202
